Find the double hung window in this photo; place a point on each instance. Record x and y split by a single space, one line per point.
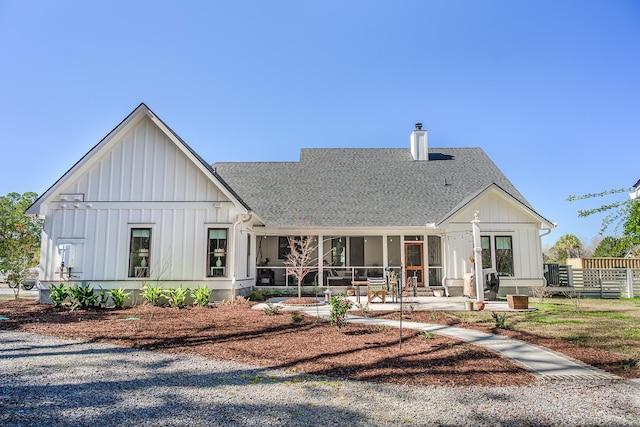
500 256
140 252
217 252
504 255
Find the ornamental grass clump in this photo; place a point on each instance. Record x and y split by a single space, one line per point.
202 296
59 294
151 294
340 305
103 298
271 310
119 297
177 296
83 297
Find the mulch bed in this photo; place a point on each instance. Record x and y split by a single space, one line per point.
602 359
296 343
303 301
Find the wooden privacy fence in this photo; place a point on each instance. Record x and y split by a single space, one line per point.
604 262
594 282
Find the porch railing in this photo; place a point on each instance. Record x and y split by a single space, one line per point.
331 276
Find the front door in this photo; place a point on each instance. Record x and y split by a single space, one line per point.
413 261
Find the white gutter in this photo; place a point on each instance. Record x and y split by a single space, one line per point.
242 219
548 230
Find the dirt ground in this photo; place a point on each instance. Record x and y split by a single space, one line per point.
298 343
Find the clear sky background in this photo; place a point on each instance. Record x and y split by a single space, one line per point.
549 89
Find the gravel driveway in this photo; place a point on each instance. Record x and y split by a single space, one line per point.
46 381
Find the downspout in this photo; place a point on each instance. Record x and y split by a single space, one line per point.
548 230
477 254
242 219
546 233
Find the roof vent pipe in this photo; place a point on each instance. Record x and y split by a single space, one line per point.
419 144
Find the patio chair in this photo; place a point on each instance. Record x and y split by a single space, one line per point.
376 288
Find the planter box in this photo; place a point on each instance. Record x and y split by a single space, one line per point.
518 302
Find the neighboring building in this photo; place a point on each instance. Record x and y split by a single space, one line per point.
141 205
635 193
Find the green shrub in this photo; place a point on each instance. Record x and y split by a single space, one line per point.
271 310
500 320
427 335
270 293
103 297
151 294
59 294
632 363
340 304
257 295
296 317
177 296
83 297
119 297
364 308
202 295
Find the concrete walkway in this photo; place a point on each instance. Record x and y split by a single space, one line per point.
542 362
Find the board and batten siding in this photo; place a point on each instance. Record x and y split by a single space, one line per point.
498 217
139 180
178 241
143 165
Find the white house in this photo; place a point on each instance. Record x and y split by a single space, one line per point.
635 193
143 206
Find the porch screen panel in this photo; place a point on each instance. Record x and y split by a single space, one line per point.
435 250
356 251
394 251
338 250
434 256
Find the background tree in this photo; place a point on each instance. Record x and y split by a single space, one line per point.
19 238
612 246
631 230
617 213
567 246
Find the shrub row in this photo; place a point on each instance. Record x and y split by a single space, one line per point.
85 296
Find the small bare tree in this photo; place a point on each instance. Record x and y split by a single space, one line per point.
541 292
300 260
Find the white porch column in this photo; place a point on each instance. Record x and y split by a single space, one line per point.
321 260
477 255
385 250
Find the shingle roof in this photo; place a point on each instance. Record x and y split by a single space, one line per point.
363 187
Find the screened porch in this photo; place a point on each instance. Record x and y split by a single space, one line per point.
347 259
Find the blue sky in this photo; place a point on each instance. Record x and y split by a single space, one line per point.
549 89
